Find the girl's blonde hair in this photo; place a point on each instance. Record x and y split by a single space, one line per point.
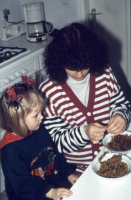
12 120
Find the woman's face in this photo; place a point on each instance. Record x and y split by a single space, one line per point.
78 76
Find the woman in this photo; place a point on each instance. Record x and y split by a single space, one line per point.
84 97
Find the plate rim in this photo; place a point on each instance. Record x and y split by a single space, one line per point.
95 161
114 151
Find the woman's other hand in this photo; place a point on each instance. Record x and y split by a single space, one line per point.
58 193
95 132
73 178
117 124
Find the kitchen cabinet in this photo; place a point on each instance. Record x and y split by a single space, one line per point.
41 75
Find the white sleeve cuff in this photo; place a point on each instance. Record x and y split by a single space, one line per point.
83 132
120 113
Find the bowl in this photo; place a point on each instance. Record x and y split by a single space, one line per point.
108 138
96 166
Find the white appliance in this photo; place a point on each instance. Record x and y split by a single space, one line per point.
12 31
36 26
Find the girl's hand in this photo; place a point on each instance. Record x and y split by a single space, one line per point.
73 178
95 132
117 124
59 193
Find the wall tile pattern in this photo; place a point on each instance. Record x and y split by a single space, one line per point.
55 12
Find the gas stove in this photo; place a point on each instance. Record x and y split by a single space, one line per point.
7 54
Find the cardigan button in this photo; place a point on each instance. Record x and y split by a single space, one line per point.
88 114
95 153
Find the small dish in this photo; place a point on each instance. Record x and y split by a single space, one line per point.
96 166
108 138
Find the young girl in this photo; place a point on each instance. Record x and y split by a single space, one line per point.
32 166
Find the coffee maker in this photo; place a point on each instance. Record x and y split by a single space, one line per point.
36 26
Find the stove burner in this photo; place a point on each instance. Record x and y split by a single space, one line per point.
8 52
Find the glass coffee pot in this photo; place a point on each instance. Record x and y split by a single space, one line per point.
39 29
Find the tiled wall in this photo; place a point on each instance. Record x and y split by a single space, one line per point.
55 11
16 13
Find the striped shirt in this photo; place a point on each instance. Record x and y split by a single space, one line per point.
66 115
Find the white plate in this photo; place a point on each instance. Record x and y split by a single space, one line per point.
96 166
108 138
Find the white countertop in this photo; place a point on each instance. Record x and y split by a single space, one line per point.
89 187
22 42
33 48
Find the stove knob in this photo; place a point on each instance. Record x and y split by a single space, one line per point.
24 71
18 74
13 77
7 80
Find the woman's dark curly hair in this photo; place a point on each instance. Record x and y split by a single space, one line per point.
75 47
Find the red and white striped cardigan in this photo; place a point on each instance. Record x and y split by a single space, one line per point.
66 115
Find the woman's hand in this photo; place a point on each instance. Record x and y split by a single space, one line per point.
117 124
95 132
73 178
59 193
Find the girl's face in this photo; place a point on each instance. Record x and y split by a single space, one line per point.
34 119
78 76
